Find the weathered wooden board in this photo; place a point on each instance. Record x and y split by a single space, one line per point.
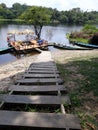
40 81
38 68
42 71
48 88
41 75
43 66
44 63
39 120
53 100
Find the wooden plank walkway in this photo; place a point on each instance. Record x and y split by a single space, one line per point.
42 78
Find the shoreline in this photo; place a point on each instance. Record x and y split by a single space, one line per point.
11 71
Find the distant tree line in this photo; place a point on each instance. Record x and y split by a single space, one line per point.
73 16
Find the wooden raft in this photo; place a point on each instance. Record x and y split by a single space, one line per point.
40 78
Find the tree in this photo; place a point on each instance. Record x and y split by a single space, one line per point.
38 16
18 9
5 13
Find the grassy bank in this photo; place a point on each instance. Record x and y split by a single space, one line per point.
80 76
8 21
78 39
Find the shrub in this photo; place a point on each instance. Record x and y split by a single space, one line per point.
89 29
94 39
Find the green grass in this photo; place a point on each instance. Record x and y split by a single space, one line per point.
84 85
78 40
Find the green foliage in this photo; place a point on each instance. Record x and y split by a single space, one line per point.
73 16
89 29
94 39
88 34
18 9
5 13
38 16
76 102
79 40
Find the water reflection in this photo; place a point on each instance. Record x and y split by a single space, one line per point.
6 58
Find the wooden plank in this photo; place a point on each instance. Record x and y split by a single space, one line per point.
46 100
39 120
43 66
40 81
44 63
38 68
40 75
39 50
48 88
42 71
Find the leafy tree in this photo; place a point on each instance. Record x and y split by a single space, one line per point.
3 5
55 15
38 16
5 12
18 9
73 16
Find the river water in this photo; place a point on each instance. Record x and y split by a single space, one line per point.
52 34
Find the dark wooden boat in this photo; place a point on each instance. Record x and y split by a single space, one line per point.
86 45
5 50
60 46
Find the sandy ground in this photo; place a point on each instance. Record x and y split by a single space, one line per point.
68 54
14 70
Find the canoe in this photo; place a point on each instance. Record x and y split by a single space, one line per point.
86 45
5 50
60 46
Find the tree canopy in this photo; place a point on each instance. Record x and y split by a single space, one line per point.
38 16
73 16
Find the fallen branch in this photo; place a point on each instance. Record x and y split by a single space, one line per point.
90 125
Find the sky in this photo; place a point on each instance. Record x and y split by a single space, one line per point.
85 5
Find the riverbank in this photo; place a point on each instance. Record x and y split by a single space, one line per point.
14 70
9 72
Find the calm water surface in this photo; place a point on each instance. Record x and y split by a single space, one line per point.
55 34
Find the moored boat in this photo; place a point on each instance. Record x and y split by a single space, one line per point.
65 47
5 50
86 45
30 43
